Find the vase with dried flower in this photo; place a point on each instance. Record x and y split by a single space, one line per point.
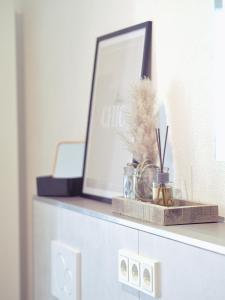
140 136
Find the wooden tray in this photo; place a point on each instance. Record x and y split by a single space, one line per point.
183 212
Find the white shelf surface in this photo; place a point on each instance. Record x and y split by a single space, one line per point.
210 236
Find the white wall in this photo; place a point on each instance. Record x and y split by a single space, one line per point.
59 51
9 211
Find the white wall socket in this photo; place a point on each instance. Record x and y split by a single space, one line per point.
142 273
147 277
65 272
134 272
123 269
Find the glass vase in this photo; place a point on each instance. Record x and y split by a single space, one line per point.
129 182
162 188
144 182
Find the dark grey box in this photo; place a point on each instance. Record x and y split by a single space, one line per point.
60 187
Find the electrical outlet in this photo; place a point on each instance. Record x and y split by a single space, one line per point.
139 272
123 268
65 271
134 272
150 280
146 277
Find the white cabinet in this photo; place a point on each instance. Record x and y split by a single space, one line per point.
46 227
186 272
99 242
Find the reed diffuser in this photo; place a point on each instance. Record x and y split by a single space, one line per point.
162 188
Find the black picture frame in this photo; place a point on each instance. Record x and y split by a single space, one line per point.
145 71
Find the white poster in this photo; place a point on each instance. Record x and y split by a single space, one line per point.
119 64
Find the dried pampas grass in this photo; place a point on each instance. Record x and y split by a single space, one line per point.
142 121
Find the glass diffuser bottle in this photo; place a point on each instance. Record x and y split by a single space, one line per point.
162 189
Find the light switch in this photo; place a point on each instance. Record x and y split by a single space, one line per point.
65 271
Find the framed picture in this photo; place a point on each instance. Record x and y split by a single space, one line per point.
69 160
121 59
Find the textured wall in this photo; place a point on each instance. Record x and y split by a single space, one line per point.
59 50
9 212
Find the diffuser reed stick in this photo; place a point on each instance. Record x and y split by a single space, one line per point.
161 159
165 143
158 140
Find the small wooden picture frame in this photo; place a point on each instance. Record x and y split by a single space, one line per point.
69 159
